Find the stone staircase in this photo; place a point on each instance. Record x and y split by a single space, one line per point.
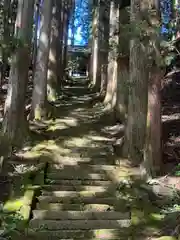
79 200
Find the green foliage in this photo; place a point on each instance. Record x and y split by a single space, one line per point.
9 223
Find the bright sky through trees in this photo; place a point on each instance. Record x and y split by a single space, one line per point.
79 23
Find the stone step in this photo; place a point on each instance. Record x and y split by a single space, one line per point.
59 182
96 234
71 161
82 193
86 167
75 194
78 200
79 215
75 207
80 175
78 224
78 188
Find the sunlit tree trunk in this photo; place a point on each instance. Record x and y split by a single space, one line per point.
65 36
153 151
61 37
111 93
39 98
14 117
95 65
138 93
105 45
53 87
35 38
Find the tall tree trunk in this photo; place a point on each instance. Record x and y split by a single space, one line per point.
60 46
123 69
95 65
39 98
6 38
111 93
35 38
14 117
65 37
53 87
138 93
153 152
105 46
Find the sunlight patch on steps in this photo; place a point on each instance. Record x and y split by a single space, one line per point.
65 123
47 148
77 142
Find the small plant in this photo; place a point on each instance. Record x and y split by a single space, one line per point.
8 224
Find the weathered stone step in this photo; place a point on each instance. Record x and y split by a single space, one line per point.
66 182
82 160
79 199
83 193
62 195
79 215
96 234
75 207
87 167
78 224
119 205
78 188
80 175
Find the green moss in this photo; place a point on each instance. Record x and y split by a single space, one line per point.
13 205
137 217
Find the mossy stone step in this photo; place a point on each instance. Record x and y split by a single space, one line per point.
62 182
55 168
79 215
118 206
78 200
80 175
83 193
78 224
70 160
76 188
96 234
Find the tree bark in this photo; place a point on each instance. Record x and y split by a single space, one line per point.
138 94
153 150
95 65
14 117
111 93
39 98
123 70
53 87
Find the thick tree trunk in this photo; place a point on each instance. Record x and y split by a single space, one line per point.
60 46
53 87
153 151
138 94
123 70
105 47
14 118
39 98
6 39
111 93
122 89
95 65
35 38
65 35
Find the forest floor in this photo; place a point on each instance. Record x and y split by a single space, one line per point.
79 141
